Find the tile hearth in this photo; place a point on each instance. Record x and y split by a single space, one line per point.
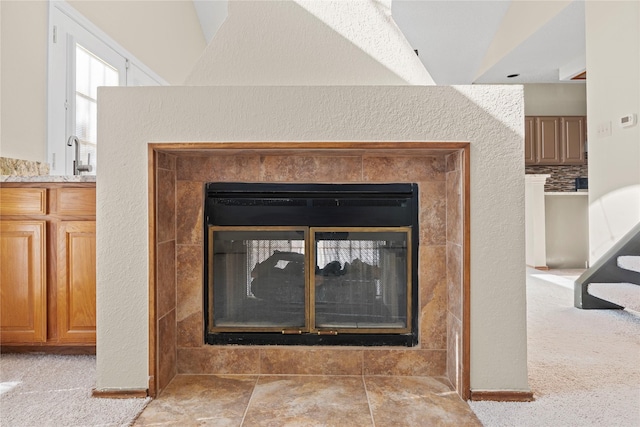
277 400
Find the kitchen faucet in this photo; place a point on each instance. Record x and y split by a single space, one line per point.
77 163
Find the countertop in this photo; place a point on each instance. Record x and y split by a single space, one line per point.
48 178
566 193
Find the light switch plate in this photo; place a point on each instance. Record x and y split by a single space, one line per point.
604 129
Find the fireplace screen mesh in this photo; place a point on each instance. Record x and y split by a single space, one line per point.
260 279
360 279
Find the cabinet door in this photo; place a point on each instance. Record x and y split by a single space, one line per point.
76 282
549 140
573 139
23 306
530 151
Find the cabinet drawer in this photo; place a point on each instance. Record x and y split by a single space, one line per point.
76 201
23 201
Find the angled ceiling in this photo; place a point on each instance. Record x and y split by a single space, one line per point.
451 37
465 42
472 41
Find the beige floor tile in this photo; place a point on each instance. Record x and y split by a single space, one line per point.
416 401
281 401
307 400
191 400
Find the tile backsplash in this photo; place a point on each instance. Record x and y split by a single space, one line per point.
10 166
562 177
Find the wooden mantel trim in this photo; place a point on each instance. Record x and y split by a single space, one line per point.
502 395
309 145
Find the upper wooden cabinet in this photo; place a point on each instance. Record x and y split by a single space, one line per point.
48 264
555 140
574 136
530 146
548 138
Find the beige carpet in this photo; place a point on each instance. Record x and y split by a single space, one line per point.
52 390
584 365
626 295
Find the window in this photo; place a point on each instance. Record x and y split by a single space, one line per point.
91 72
81 59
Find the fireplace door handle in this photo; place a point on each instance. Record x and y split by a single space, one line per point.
327 332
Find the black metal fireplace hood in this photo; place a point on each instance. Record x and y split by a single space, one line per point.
344 205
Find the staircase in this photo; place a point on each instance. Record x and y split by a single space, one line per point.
621 264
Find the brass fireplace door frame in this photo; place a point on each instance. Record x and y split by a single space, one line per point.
310 285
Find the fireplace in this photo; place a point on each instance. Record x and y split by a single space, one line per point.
312 264
448 140
406 182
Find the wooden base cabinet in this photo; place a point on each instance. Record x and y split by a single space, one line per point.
23 296
48 265
76 281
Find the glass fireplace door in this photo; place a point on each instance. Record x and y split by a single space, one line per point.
361 280
309 280
257 279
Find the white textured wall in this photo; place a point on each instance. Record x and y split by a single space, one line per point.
0 78
23 106
555 99
613 90
309 42
490 117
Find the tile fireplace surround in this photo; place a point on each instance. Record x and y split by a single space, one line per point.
177 173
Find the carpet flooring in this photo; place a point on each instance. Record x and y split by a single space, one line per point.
584 365
54 390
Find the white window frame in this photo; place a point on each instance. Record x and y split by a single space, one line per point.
59 155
